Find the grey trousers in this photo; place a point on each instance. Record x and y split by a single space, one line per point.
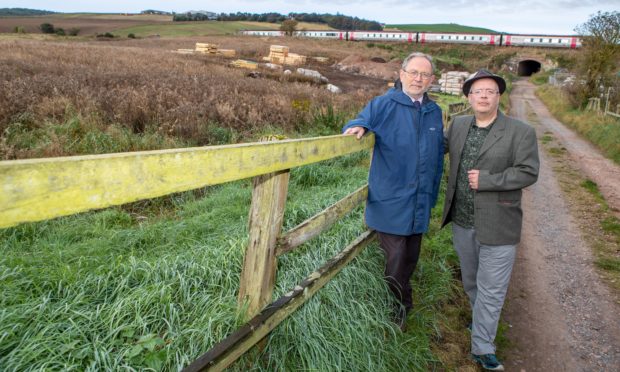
485 271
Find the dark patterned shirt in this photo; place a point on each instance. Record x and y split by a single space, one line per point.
463 212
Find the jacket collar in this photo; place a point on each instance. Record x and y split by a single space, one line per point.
402 98
496 132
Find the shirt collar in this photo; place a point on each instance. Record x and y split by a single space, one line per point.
413 100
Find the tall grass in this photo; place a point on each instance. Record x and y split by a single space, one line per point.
112 290
603 131
140 95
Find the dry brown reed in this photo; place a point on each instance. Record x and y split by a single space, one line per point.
141 87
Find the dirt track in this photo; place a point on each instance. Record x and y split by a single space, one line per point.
561 317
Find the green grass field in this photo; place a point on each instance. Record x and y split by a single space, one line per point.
174 29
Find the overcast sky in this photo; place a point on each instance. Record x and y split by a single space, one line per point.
516 16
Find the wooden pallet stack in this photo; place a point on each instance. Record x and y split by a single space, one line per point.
206 48
280 54
212 49
452 82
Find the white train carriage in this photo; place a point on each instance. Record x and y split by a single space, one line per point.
323 34
274 33
547 41
409 37
453 38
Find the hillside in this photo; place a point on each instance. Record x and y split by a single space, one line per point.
151 24
438 27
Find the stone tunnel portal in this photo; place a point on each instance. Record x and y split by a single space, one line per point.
528 67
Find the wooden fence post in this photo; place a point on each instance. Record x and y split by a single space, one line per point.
265 224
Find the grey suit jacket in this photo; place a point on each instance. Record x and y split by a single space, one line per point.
508 162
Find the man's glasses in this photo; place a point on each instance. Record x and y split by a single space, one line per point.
479 92
414 74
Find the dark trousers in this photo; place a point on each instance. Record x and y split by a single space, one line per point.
401 258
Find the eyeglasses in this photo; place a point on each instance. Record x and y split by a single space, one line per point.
479 92
414 74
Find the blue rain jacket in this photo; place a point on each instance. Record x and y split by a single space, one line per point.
407 162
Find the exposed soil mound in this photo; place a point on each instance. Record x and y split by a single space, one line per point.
368 67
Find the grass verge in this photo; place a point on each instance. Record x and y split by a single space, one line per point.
603 131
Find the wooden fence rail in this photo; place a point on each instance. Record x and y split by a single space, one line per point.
455 109
39 189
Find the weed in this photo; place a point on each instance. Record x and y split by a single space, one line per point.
612 226
609 264
592 188
546 139
557 151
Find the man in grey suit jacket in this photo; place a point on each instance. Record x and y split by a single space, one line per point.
492 158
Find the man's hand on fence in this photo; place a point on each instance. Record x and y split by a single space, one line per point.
358 131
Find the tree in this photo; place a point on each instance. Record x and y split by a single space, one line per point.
289 26
601 52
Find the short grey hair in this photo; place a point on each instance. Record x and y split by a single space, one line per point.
418 55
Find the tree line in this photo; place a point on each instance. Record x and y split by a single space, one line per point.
338 21
21 12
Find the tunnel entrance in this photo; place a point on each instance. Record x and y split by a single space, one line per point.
528 67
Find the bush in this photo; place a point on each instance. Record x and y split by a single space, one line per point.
131 36
19 30
74 31
47 28
106 35
60 32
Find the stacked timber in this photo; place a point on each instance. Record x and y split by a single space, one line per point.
242 63
213 50
280 54
227 52
451 82
206 48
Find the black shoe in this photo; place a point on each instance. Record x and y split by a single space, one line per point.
488 362
400 318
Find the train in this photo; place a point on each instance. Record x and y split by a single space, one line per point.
499 39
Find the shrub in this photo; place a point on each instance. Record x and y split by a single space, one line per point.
47 28
106 35
74 31
131 36
19 30
60 32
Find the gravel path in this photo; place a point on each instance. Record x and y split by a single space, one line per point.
561 317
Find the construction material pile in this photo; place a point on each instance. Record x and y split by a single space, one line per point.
242 63
280 54
212 49
452 82
208 49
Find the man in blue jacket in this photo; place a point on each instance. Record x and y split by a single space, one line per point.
404 176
